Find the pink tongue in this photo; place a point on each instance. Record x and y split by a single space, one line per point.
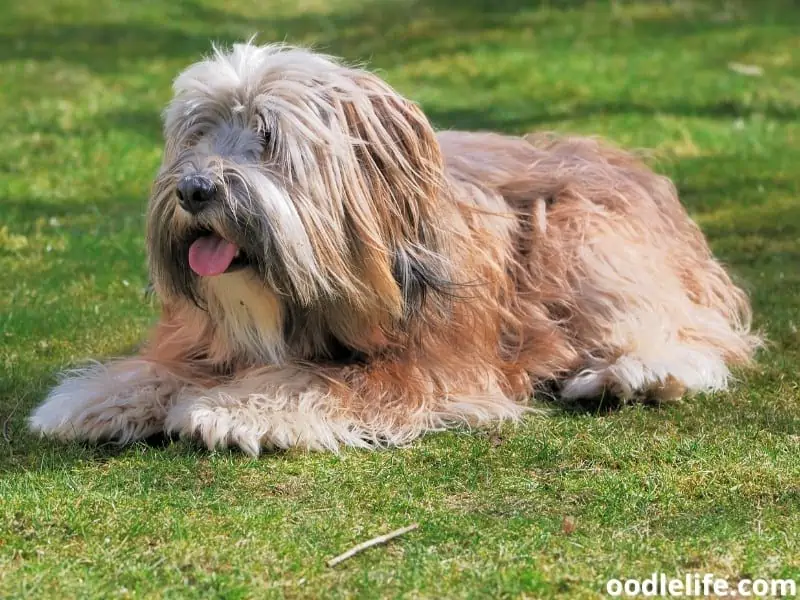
211 255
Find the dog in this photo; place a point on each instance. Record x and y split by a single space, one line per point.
333 272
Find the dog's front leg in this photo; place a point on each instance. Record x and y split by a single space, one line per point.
120 401
320 409
273 407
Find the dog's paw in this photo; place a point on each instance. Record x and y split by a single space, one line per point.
56 416
216 426
258 422
632 378
101 404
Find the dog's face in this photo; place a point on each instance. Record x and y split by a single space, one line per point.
314 182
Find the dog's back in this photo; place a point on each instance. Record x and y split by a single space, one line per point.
607 247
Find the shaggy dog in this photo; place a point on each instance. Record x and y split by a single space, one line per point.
331 271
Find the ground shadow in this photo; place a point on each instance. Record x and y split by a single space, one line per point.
391 32
188 27
27 210
528 113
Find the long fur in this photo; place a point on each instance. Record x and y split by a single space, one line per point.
399 281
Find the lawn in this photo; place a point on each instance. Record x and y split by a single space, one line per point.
552 507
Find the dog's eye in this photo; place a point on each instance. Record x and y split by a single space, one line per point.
264 131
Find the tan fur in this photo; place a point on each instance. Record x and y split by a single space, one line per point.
458 272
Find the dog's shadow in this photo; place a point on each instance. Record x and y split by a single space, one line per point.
549 395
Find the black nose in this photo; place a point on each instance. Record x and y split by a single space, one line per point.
194 192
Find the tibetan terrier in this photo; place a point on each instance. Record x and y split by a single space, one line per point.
332 271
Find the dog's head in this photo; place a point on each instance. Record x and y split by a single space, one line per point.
294 185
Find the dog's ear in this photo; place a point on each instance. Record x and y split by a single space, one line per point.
398 146
400 162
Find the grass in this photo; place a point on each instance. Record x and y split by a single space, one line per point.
551 508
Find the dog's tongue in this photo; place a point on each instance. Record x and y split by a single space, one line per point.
211 255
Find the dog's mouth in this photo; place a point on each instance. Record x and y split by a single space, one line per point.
210 254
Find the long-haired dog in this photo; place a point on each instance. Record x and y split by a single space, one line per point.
332 271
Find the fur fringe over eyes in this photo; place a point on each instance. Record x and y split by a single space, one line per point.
348 275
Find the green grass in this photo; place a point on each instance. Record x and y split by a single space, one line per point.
712 484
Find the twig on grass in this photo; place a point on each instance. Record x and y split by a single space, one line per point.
6 429
6 437
381 539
